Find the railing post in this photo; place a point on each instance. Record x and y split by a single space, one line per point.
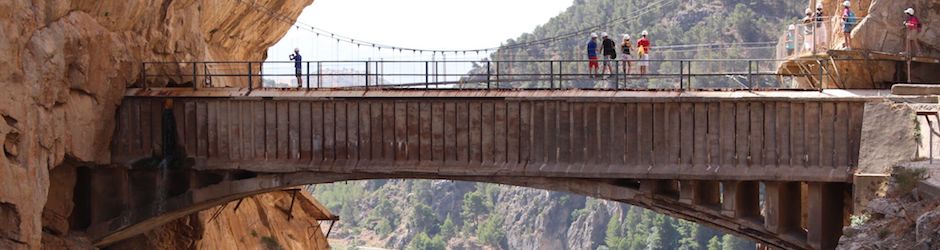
195 82
616 74
319 74
143 75
820 74
497 76
561 75
427 73
250 83
488 74
367 75
308 75
750 83
261 74
681 75
551 74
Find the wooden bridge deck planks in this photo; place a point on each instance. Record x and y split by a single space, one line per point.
698 139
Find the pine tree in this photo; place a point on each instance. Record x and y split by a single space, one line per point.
714 243
448 229
730 242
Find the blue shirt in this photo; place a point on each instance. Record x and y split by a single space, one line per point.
592 48
297 59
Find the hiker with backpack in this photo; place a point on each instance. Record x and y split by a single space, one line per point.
609 49
848 23
642 52
913 28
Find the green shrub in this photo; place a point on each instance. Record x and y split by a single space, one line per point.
907 179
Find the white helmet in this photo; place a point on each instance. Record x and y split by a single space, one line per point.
296 49
593 35
847 3
645 33
809 11
819 6
626 36
909 11
791 27
604 34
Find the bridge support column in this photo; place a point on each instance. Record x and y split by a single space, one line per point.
741 199
708 194
825 215
668 188
701 193
109 195
782 211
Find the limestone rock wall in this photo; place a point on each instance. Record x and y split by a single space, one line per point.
883 30
261 222
880 29
64 68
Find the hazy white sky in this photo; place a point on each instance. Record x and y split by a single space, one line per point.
427 24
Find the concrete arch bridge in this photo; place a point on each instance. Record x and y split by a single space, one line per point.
777 167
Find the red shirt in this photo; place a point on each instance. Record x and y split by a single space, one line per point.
645 43
912 23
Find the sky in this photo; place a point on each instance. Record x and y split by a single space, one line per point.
427 24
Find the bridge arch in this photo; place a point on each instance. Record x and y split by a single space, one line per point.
734 207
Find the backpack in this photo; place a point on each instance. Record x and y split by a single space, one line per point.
851 19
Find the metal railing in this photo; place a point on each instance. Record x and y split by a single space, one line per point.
813 37
509 74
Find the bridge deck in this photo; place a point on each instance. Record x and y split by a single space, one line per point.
737 135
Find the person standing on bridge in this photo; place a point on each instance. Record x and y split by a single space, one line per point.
592 55
643 50
848 23
298 71
822 34
610 54
809 37
791 39
625 48
912 27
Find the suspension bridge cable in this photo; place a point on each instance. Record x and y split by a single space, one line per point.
543 41
342 38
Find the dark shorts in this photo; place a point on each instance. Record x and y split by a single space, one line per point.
298 72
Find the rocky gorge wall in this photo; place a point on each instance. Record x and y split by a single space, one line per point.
63 72
259 222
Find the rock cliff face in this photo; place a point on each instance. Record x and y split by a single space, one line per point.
260 222
881 30
64 68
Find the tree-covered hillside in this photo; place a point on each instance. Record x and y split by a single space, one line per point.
739 27
425 214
